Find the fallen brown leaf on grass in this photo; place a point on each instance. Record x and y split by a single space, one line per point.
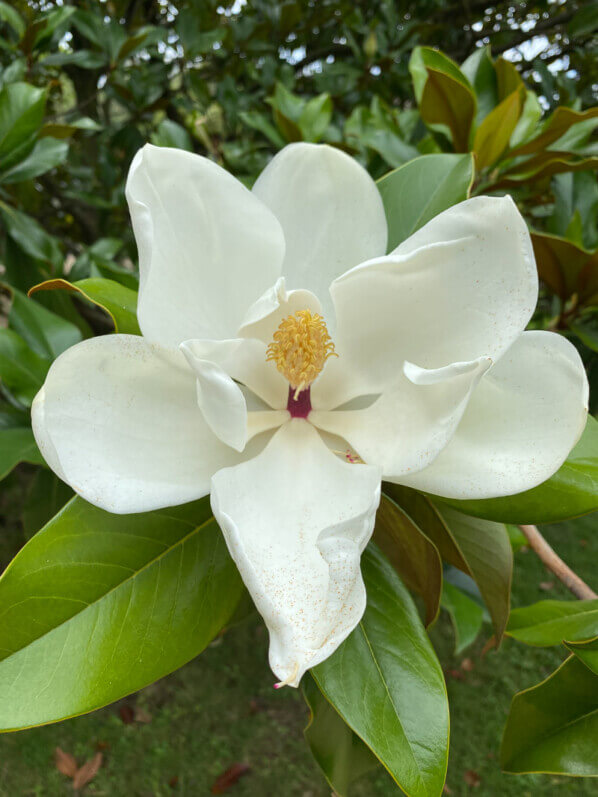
229 778
472 778
88 771
127 714
65 763
141 715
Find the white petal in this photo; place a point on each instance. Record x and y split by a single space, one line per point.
244 359
412 421
264 316
462 287
296 519
208 247
522 420
118 420
220 399
330 210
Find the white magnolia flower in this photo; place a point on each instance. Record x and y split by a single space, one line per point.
273 395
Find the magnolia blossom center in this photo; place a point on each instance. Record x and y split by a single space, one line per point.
299 349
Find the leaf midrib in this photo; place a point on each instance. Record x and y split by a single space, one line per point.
383 679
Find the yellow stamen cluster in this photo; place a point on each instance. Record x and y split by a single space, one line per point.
300 348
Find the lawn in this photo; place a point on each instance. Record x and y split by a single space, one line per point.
179 735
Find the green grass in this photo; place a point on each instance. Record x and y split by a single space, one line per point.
221 709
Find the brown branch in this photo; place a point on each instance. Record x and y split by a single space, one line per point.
551 560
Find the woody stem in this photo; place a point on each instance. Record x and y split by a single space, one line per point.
553 562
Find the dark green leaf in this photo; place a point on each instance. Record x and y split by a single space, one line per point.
586 651
480 549
17 444
486 548
97 606
30 236
479 70
45 155
47 495
340 753
21 369
446 98
387 685
411 553
550 622
45 332
12 17
572 491
21 116
416 192
553 726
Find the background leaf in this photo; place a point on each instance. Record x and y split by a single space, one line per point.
550 622
552 727
421 189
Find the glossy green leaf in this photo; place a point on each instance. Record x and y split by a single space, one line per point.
118 301
493 135
30 236
46 497
45 332
550 622
340 753
553 726
21 116
21 369
45 155
411 553
480 549
386 683
446 98
17 444
478 68
96 606
466 615
553 128
586 651
572 491
419 190
486 549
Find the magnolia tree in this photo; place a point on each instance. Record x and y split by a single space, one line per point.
324 397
